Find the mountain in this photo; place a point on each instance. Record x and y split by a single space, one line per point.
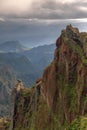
40 56
58 101
12 46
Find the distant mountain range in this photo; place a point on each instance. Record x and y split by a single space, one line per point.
12 46
21 66
41 56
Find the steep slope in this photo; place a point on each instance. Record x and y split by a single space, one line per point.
12 46
59 98
41 56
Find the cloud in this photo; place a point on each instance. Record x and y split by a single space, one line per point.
2 20
39 9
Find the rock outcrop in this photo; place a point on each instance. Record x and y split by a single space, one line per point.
60 96
14 97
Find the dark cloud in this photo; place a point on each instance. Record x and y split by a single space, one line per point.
59 10
36 22
48 9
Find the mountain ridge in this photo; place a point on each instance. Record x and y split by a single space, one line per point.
59 98
12 46
42 55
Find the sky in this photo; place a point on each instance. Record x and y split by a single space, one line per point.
35 22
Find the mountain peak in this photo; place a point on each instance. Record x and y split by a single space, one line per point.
70 28
71 32
12 46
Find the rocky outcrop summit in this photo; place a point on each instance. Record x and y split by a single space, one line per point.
59 97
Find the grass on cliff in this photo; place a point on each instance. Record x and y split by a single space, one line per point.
78 124
76 48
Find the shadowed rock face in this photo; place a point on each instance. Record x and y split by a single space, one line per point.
61 93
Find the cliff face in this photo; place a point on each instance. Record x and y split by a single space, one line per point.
60 96
64 81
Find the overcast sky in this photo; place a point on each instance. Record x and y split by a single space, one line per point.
29 19
43 9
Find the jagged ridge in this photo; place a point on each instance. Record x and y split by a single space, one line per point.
60 96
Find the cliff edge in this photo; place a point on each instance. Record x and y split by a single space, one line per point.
58 100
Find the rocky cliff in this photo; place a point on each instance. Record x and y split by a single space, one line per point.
58 101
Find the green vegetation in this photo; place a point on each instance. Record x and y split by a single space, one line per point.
79 124
76 48
25 92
